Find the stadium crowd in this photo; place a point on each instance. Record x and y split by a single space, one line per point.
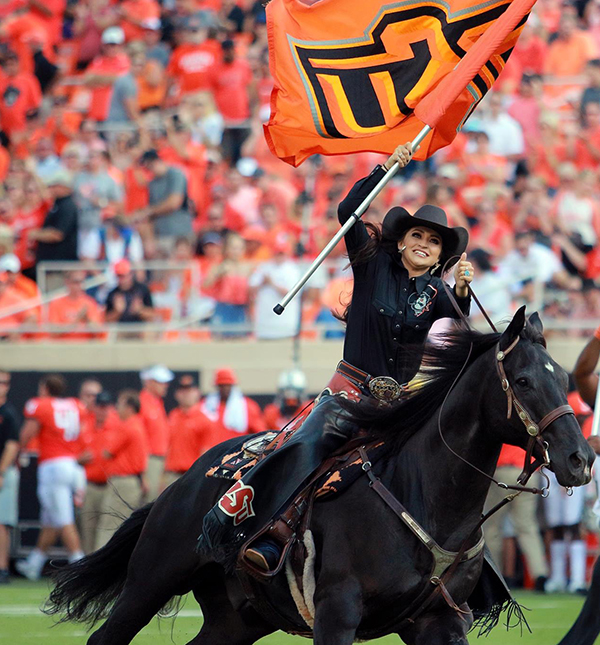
131 131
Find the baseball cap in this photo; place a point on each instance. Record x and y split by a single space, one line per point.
104 398
61 177
211 238
158 373
113 36
187 380
10 262
225 376
148 156
153 24
122 267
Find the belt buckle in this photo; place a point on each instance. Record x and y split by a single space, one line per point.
385 388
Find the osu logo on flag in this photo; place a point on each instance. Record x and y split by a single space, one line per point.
363 87
237 502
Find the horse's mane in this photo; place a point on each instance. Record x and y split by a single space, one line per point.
441 364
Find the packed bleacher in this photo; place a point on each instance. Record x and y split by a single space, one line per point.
139 194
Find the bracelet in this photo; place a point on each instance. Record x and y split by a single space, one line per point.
597 333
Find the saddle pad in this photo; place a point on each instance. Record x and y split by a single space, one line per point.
348 468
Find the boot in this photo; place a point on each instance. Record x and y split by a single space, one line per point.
275 481
264 554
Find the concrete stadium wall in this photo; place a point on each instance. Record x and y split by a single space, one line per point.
258 364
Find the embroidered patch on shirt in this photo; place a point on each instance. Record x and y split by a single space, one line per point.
420 303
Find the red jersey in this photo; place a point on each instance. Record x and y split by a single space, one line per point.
96 470
127 444
190 435
154 419
60 433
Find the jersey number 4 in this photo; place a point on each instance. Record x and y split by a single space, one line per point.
67 419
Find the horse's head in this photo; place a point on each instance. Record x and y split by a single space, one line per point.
539 385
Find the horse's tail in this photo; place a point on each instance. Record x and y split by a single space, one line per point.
587 626
86 590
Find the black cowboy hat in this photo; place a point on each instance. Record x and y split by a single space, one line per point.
454 239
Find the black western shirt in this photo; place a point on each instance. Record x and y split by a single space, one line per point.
389 310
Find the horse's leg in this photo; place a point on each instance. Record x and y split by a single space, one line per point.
443 627
222 623
135 608
338 612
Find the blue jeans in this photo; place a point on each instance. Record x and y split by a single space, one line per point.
227 314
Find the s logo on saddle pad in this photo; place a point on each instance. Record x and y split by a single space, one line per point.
237 502
420 303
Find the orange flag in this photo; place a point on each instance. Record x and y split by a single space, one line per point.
349 74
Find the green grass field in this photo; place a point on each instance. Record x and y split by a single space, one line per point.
22 623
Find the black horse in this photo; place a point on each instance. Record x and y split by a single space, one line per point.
369 566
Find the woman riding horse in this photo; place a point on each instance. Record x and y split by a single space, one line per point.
398 295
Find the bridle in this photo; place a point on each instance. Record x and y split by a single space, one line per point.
534 430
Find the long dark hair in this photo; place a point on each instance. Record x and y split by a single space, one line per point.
368 251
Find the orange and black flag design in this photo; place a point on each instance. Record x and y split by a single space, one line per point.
349 74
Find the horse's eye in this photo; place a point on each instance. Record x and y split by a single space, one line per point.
522 382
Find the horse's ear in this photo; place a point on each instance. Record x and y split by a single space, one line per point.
514 329
536 322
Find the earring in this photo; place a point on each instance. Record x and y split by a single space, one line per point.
402 249
435 267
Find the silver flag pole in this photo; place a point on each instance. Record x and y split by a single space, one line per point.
358 213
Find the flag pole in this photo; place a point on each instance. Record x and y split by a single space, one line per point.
358 213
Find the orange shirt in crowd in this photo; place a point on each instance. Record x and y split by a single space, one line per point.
127 445
61 432
54 22
25 287
20 94
134 12
569 57
136 193
151 95
100 96
229 82
70 310
96 470
11 298
4 162
191 65
21 30
256 422
156 426
23 222
231 289
190 435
